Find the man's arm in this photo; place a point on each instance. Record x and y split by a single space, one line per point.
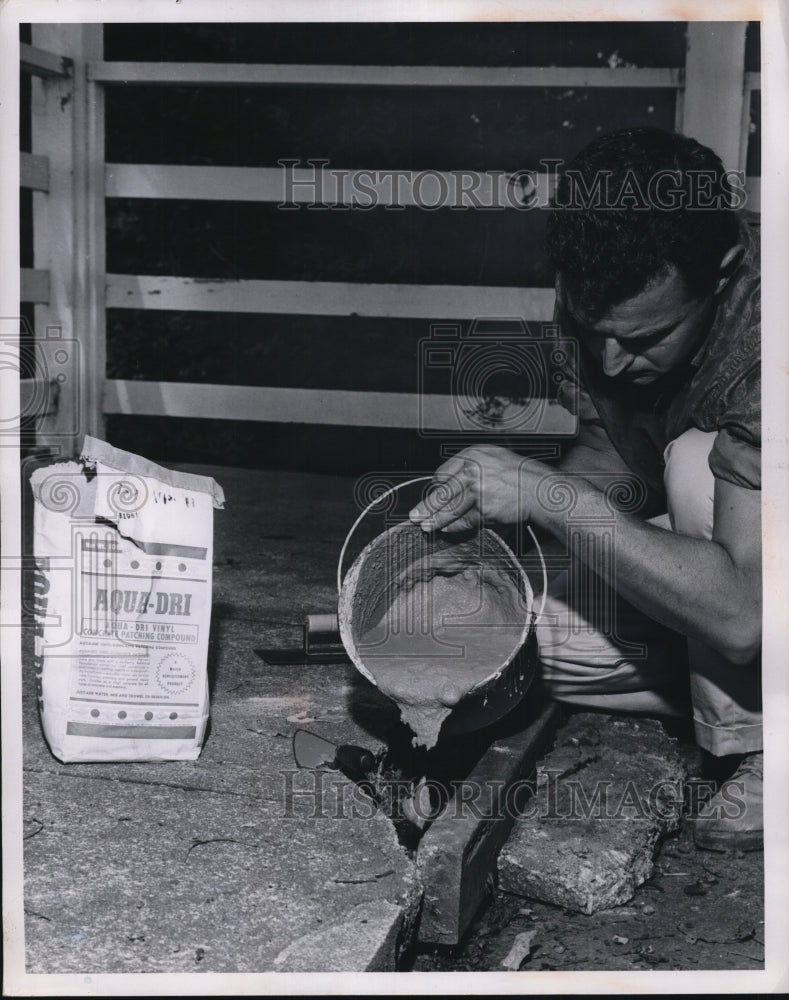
592 451
710 590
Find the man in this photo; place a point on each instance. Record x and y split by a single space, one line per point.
657 278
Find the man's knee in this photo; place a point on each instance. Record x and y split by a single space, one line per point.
690 485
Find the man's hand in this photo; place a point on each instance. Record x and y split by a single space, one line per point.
478 484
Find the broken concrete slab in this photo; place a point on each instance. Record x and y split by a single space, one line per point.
606 795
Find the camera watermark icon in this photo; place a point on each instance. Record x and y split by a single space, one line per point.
48 368
494 376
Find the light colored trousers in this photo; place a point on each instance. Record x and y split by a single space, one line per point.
598 650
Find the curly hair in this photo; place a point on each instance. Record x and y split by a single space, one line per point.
631 205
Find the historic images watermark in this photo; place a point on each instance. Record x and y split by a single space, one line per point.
327 795
315 184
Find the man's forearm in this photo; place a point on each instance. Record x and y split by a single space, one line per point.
689 584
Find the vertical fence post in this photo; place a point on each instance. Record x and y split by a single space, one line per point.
715 87
69 237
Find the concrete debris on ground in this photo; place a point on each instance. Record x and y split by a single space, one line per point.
520 950
606 795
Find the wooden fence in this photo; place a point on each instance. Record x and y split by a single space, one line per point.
70 182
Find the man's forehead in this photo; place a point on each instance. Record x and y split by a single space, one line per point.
661 304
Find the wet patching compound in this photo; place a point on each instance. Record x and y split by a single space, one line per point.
432 619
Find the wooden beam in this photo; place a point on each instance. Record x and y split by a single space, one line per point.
34 172
281 74
327 298
460 848
307 185
715 87
41 63
320 406
34 286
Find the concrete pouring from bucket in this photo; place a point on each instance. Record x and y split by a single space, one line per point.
435 619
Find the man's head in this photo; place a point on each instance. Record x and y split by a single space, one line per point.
642 237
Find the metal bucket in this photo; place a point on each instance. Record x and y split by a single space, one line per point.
366 592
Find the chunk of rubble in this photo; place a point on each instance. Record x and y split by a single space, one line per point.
606 795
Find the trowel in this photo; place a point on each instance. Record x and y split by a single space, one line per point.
357 763
316 753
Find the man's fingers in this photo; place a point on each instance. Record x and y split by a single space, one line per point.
451 468
470 520
449 513
441 495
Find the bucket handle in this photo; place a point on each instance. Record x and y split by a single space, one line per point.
422 479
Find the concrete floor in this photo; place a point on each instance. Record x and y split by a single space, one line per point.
214 865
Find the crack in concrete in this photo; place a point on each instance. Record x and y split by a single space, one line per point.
579 765
361 881
152 784
29 836
221 840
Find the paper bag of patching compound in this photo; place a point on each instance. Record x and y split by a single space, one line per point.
123 553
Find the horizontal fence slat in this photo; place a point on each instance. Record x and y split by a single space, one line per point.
34 172
234 74
327 298
319 406
42 63
38 397
308 185
34 286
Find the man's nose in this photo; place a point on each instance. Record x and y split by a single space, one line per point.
615 359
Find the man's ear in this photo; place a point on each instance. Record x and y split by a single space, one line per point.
728 265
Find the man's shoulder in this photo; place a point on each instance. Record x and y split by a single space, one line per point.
736 326
750 224
726 391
